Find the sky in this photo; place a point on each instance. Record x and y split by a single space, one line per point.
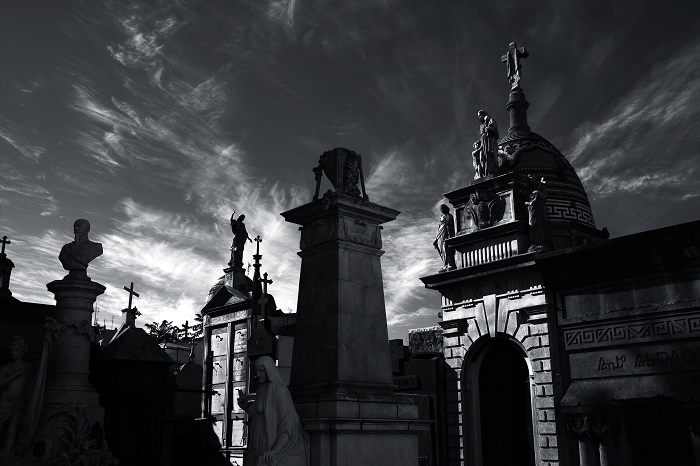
155 120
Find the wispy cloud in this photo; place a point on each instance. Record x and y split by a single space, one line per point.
646 141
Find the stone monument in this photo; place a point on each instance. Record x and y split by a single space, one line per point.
341 367
74 417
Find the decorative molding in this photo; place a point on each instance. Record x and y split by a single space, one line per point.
589 426
633 332
557 212
55 328
458 326
488 254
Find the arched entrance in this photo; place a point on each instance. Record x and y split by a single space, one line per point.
499 396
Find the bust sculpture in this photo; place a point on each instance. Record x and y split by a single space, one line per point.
276 437
76 256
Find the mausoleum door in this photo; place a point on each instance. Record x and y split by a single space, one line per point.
504 402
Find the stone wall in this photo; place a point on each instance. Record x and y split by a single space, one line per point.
514 310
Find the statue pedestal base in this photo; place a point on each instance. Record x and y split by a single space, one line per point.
72 415
341 367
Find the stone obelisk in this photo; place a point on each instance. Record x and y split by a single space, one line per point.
341 368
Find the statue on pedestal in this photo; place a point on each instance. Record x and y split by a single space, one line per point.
540 240
446 230
276 437
240 235
486 148
76 256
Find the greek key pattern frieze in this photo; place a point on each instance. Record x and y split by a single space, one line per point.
638 331
580 214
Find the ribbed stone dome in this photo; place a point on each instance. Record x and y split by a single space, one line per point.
530 154
525 152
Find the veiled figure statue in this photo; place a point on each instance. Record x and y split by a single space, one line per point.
486 148
446 230
540 239
276 436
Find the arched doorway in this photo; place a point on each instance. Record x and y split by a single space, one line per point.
501 410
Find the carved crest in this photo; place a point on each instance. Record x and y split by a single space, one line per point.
485 208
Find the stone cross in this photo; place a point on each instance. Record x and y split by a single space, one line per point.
132 293
4 241
186 326
263 299
512 60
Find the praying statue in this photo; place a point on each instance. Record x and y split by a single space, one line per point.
446 230
486 148
276 435
76 256
240 235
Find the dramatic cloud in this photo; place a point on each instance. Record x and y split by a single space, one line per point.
156 120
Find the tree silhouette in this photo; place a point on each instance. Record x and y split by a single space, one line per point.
165 332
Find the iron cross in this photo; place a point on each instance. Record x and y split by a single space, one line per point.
4 241
131 293
512 60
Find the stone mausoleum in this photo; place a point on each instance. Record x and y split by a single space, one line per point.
565 347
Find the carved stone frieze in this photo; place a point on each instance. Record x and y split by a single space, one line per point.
485 209
320 231
341 228
636 331
359 231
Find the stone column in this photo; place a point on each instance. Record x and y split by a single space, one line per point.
341 367
69 398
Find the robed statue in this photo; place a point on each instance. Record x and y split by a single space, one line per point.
540 239
445 231
240 235
486 148
276 435
76 256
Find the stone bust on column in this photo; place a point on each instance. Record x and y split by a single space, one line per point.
76 256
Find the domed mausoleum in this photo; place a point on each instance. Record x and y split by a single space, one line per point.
561 346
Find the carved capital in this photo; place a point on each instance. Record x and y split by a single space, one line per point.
589 425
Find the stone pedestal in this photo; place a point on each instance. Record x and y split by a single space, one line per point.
341 376
71 404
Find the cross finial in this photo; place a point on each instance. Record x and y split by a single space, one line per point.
512 60
132 293
263 300
4 241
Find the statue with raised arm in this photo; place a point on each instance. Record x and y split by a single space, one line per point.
277 437
76 256
240 235
486 148
446 230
